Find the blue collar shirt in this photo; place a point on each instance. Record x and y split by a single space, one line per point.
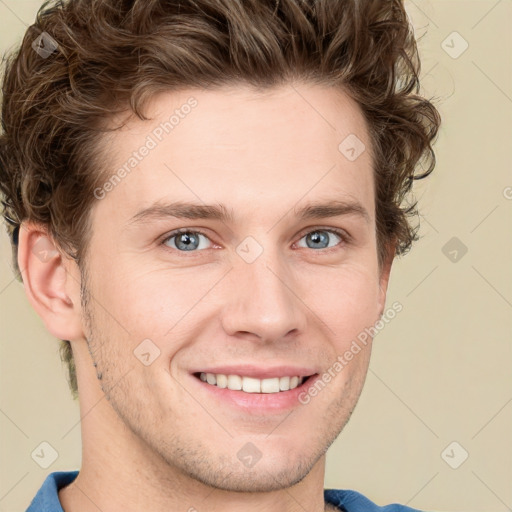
47 498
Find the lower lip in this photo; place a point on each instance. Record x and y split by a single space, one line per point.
259 402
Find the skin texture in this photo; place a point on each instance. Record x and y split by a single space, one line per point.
153 439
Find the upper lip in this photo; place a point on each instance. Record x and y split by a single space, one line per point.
260 372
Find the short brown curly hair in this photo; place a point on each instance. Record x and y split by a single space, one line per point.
113 55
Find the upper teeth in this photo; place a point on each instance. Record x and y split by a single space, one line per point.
250 384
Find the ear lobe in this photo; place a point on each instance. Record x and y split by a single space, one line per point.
51 288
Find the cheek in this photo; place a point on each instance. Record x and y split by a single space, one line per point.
148 304
345 299
157 303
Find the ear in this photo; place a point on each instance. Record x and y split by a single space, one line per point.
51 280
384 275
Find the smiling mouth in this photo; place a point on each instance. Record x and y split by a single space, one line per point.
251 384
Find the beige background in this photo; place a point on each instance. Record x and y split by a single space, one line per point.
440 370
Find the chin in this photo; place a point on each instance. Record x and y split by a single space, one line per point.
257 479
275 470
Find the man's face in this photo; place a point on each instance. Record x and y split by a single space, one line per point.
263 293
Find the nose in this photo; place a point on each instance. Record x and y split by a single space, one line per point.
263 301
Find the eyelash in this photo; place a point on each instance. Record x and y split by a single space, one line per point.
345 238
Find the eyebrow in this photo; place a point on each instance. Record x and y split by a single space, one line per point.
187 210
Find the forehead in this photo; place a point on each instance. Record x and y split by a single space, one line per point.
252 151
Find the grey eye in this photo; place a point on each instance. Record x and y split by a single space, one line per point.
320 239
186 241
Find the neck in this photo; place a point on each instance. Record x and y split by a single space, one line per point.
110 480
121 472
